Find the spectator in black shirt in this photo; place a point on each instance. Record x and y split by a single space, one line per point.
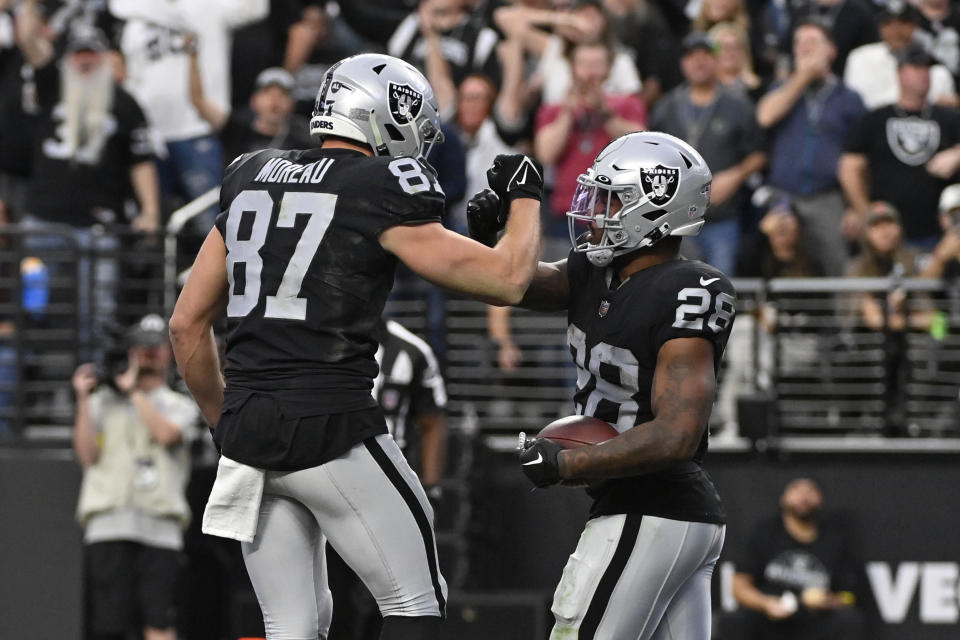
904 154
92 146
442 32
796 579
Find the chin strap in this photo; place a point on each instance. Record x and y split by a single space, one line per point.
380 149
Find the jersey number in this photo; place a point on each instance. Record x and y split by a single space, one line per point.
411 176
245 254
597 368
690 316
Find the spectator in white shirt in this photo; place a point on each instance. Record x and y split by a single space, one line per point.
154 43
871 69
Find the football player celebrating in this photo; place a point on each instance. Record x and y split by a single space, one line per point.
301 261
647 329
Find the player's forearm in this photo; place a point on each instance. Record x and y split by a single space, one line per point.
516 254
681 397
646 448
549 290
161 430
195 350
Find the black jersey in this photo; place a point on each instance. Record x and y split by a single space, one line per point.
615 333
308 278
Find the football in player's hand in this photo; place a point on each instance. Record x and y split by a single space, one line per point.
577 431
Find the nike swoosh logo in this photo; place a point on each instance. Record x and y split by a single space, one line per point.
523 178
704 283
537 461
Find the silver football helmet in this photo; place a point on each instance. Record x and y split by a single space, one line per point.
661 183
379 101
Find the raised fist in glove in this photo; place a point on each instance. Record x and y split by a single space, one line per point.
484 217
538 460
515 176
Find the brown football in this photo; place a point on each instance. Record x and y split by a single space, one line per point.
577 431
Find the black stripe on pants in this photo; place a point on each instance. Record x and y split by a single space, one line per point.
601 597
416 509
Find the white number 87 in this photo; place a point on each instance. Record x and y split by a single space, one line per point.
690 316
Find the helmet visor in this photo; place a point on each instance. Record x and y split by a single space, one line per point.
589 214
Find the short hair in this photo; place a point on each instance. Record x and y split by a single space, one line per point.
816 23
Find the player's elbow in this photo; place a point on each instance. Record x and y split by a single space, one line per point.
684 443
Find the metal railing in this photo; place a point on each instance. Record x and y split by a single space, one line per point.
800 350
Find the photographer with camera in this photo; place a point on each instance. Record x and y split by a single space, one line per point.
132 434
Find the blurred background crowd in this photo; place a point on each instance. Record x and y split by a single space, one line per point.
832 128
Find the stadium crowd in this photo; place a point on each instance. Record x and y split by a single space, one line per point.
809 112
831 126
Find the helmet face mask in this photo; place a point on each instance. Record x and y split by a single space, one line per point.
641 188
378 101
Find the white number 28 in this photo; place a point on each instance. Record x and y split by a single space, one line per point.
690 315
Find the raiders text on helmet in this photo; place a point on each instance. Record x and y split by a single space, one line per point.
379 101
662 183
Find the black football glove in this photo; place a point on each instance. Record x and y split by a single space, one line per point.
484 218
538 460
515 176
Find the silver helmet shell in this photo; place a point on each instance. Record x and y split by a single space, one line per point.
379 101
662 183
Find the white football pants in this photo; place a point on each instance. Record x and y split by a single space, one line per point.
638 578
371 507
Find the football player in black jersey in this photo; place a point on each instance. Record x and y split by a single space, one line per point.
646 329
301 260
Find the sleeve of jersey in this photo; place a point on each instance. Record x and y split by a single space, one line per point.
409 194
695 304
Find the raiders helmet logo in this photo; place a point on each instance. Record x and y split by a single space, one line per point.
913 140
405 103
660 183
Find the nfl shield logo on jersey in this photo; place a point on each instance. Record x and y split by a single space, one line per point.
405 103
660 183
604 308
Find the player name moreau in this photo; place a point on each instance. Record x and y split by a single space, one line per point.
282 170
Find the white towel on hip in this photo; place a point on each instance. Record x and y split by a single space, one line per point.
233 507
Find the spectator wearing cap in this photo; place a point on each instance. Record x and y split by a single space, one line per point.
720 124
871 69
883 255
808 116
904 154
154 45
131 436
268 124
